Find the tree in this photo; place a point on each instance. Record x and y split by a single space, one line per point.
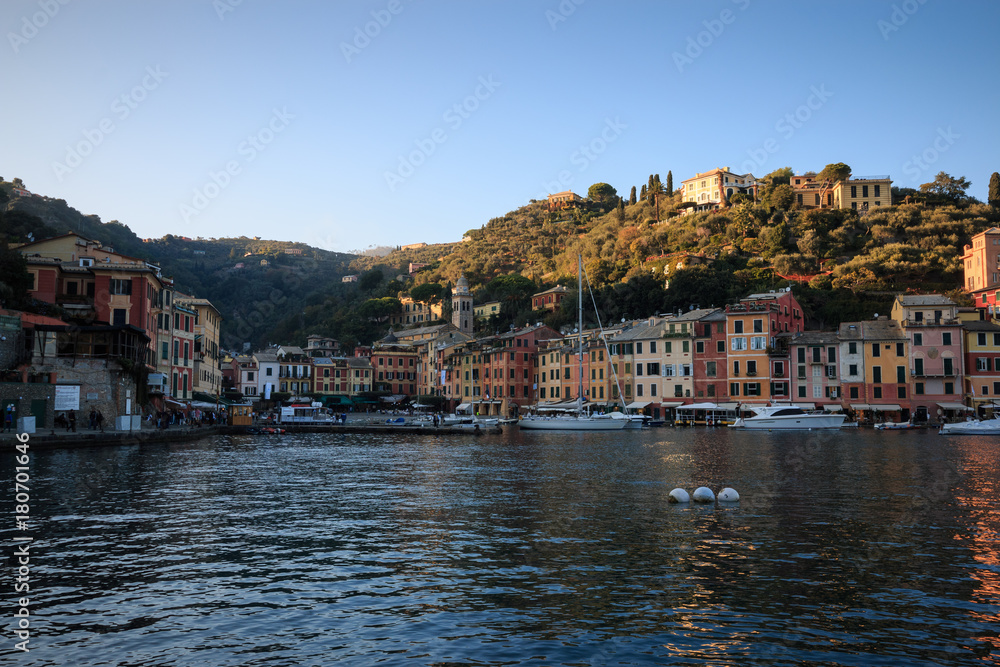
602 193
994 194
631 197
369 280
655 192
780 176
947 187
780 196
642 193
427 293
670 183
831 175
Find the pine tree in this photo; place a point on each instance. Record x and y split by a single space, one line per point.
670 183
631 197
994 193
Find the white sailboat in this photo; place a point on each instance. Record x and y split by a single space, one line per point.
580 421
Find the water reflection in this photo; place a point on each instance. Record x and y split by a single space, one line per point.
508 549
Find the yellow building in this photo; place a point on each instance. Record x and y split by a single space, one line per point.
714 188
859 194
207 326
416 313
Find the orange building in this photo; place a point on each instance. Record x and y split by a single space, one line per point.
751 327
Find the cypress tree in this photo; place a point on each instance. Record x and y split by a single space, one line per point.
670 183
642 193
631 197
994 193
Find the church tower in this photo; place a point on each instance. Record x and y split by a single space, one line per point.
461 306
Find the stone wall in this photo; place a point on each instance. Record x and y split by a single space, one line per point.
21 394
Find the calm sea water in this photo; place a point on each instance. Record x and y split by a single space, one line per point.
849 548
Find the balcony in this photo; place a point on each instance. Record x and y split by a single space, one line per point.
934 322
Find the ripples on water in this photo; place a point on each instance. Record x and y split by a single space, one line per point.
855 548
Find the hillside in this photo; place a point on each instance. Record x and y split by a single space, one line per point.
248 298
844 264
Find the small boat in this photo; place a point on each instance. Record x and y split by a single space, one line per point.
788 417
895 426
973 427
270 430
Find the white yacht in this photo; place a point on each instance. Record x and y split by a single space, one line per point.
788 417
973 427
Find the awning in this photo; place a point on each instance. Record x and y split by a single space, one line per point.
953 406
860 406
833 408
463 406
395 398
177 403
885 408
637 405
671 404
721 407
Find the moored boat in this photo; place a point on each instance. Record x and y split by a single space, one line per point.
788 417
973 427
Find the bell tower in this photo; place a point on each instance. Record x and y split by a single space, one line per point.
461 306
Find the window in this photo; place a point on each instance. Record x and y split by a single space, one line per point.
270 371
876 374
854 392
736 368
121 286
949 387
946 338
854 191
165 351
685 346
652 347
876 350
720 347
982 363
638 348
918 366
981 339
852 348
710 369
949 367
652 368
864 190
119 317
900 392
918 388
751 367
817 391
802 391
918 339
779 369
758 326
878 190
638 389
877 392
738 324
734 387
899 350
758 342
901 374
801 372
739 344
852 369
699 347
831 355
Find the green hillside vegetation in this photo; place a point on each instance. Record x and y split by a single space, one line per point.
641 258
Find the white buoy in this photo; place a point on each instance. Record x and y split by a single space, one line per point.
728 495
679 496
703 494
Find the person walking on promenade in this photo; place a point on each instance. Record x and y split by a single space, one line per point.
72 421
8 419
99 420
93 419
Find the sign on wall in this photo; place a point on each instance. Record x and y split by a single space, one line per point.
67 397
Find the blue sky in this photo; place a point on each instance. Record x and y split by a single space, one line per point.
351 124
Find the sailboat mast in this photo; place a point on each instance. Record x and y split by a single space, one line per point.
579 315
